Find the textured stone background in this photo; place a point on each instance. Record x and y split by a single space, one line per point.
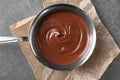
13 65
109 12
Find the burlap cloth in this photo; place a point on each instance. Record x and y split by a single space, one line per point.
105 51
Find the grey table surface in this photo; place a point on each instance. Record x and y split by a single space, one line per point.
13 65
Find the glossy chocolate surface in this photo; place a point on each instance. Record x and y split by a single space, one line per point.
62 37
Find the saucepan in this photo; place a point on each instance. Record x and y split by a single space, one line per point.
39 17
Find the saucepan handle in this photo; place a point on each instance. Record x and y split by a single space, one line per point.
12 39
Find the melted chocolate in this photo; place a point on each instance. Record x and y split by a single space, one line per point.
62 37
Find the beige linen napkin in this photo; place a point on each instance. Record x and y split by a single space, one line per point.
105 51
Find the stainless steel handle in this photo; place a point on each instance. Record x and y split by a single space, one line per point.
12 39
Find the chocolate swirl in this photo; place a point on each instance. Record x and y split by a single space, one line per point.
62 38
